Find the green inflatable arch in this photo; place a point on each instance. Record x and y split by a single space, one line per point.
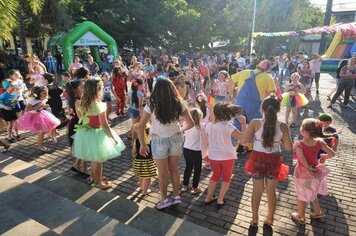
84 34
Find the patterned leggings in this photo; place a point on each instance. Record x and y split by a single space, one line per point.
120 103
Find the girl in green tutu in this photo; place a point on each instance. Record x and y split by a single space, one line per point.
94 140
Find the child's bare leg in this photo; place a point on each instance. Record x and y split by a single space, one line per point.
9 129
40 139
145 186
294 115
287 114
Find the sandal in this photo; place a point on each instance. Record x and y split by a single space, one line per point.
295 217
317 215
214 199
103 185
6 148
196 191
185 188
11 140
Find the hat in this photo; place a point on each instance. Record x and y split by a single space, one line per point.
264 65
6 83
300 66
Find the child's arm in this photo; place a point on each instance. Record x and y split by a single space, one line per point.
30 107
189 123
248 134
329 152
113 92
104 124
144 150
133 141
76 106
237 134
302 88
301 158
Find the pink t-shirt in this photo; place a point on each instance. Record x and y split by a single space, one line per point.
219 138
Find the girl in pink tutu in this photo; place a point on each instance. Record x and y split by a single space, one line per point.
294 98
37 118
309 174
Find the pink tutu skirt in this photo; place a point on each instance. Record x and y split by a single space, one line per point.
308 184
36 122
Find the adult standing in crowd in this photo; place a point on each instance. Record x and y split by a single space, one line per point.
240 61
254 61
75 65
50 63
92 66
203 71
315 65
348 76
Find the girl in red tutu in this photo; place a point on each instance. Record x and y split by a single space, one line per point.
265 162
37 118
309 174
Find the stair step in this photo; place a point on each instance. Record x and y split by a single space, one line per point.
121 209
54 212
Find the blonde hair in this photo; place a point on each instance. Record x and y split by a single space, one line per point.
295 75
92 87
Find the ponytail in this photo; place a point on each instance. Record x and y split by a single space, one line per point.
269 127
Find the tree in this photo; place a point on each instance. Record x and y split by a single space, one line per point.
12 15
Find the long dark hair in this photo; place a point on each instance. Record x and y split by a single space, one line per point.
224 111
270 107
70 88
165 102
202 105
134 85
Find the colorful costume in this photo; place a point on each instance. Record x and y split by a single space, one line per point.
91 143
37 121
119 83
309 183
251 92
144 167
292 98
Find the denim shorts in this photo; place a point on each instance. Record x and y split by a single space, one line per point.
165 147
133 112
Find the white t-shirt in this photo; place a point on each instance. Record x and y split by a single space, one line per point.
20 87
241 62
315 65
192 139
110 58
163 130
219 139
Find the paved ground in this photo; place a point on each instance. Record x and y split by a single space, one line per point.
234 217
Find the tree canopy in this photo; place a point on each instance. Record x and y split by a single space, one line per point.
173 24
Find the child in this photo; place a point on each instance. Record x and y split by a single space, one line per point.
136 100
165 108
119 83
65 79
332 139
94 140
196 85
265 162
108 89
294 98
143 166
222 154
306 77
54 95
192 153
36 118
20 88
74 91
37 78
8 102
221 86
309 174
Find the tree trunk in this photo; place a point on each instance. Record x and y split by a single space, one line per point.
22 33
327 19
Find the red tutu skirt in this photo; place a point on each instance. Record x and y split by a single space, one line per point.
262 164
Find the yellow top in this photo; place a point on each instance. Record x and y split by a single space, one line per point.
264 82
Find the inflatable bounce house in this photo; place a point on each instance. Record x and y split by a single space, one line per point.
342 46
85 34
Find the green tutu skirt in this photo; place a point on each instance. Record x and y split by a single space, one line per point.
93 144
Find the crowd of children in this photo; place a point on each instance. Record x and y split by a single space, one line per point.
166 125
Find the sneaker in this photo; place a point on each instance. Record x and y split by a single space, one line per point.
44 149
176 200
185 188
164 204
196 191
18 137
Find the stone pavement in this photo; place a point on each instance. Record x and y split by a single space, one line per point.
234 217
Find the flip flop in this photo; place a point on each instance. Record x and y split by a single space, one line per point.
295 217
219 205
214 199
317 215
